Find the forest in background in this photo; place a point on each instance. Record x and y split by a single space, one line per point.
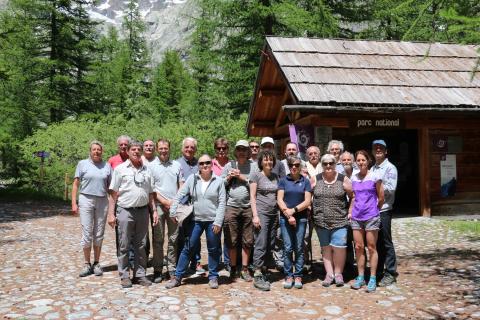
63 83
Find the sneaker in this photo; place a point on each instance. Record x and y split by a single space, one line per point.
228 268
387 280
298 283
372 284
260 283
174 282
339 280
245 275
288 283
213 283
97 269
157 277
126 283
143 281
199 269
86 271
358 283
329 279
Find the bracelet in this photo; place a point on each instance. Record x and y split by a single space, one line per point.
295 209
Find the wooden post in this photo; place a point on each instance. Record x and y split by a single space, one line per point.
424 171
65 194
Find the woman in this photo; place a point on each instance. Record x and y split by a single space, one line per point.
294 197
93 177
368 197
330 213
263 199
207 192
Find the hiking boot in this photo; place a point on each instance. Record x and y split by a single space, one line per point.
387 280
174 282
372 284
199 271
245 275
358 283
288 283
157 277
213 283
97 269
329 279
86 271
339 280
228 268
143 281
260 283
298 283
233 274
126 283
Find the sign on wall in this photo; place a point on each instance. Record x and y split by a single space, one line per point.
382 123
448 175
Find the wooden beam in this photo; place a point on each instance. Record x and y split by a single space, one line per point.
424 171
273 92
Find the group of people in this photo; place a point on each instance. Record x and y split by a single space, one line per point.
267 210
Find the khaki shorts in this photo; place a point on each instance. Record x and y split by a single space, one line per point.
238 226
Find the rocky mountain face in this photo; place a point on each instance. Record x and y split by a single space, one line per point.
169 22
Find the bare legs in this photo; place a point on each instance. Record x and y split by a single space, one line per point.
371 239
334 259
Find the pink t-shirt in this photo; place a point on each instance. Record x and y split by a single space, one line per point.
116 160
217 168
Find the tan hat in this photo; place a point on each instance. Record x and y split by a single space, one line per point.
242 143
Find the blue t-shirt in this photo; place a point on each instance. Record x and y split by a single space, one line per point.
294 190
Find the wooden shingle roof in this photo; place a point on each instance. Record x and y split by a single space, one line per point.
346 72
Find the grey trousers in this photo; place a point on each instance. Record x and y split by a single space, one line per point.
158 235
264 239
93 216
132 227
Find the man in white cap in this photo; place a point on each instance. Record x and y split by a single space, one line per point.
267 143
387 260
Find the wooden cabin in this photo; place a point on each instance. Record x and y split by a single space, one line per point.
423 99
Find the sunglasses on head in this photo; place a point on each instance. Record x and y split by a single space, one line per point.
328 164
205 163
296 165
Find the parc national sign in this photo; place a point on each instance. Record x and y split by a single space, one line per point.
385 123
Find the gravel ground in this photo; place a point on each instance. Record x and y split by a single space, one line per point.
40 258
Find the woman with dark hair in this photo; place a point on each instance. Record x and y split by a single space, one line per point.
263 199
368 197
91 181
294 198
330 210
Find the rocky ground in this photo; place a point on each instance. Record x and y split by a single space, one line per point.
40 258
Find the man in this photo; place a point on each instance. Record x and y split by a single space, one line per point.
122 156
221 156
290 150
313 164
349 166
387 260
148 152
335 148
131 189
238 227
268 144
168 179
254 150
189 165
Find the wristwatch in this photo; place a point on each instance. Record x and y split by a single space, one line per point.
295 209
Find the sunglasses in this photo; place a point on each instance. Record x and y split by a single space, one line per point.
294 165
205 163
221 148
328 164
139 178
254 147
242 149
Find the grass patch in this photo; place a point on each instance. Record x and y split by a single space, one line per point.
465 226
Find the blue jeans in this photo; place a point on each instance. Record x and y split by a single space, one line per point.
293 242
193 231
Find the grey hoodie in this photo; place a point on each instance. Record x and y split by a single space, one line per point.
207 207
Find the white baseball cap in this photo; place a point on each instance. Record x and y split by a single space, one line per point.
266 140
